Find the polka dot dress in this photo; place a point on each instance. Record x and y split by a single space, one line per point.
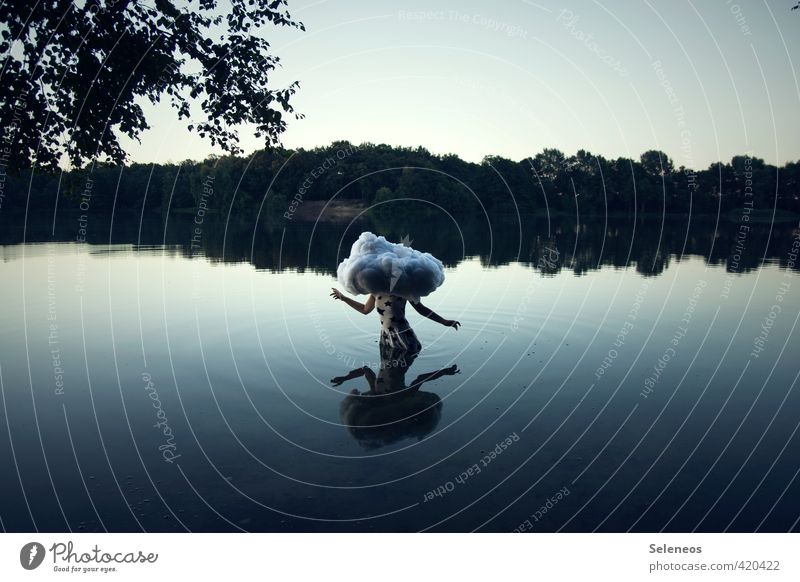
396 332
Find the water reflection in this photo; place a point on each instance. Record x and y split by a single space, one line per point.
583 245
241 372
391 410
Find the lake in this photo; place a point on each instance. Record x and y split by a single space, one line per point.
607 376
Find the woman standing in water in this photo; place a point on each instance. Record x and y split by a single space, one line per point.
389 273
396 332
391 410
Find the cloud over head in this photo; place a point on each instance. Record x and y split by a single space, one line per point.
376 265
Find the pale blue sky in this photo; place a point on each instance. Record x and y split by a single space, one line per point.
511 78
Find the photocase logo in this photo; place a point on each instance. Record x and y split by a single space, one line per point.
31 555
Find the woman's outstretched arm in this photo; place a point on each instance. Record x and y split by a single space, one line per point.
365 371
365 307
427 377
433 316
339 380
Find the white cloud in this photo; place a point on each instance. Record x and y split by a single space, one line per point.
376 265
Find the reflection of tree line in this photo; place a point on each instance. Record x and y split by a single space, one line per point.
303 246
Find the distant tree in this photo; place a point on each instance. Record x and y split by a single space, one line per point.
656 179
549 163
656 163
74 73
383 194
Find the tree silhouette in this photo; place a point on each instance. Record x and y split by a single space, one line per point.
74 74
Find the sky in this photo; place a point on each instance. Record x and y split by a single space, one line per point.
701 80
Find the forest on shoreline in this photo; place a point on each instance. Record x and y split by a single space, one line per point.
274 184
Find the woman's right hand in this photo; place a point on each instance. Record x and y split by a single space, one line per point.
336 294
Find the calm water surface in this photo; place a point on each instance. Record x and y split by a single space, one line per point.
606 377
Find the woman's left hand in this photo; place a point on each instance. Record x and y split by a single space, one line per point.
452 323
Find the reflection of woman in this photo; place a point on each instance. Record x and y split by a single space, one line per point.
391 411
396 332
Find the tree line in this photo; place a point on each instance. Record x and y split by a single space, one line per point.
271 182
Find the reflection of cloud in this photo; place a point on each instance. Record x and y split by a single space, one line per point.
380 420
377 266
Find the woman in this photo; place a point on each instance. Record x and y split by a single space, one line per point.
396 332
